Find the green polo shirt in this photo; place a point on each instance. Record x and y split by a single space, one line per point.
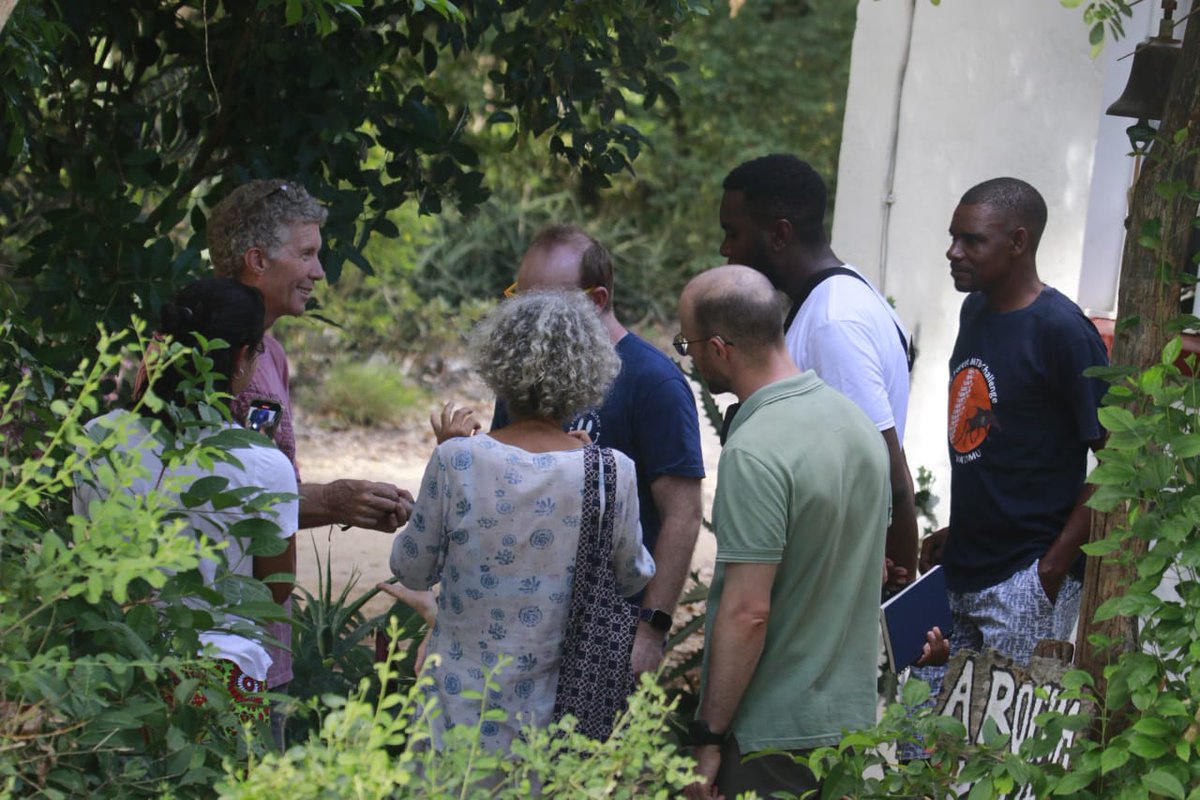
803 483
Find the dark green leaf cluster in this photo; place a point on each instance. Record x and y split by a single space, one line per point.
128 118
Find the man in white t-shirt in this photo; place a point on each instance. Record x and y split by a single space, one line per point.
839 326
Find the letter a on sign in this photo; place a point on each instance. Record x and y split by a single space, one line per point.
959 703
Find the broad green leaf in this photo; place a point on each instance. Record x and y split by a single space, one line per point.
1113 757
1162 782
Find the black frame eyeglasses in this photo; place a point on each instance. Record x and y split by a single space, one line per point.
681 344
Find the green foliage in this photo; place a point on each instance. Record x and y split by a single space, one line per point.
381 748
126 120
661 223
1101 16
331 645
100 615
365 393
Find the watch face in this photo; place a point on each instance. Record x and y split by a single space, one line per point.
659 620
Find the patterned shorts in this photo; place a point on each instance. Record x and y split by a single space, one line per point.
1010 617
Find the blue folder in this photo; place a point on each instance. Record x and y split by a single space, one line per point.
909 615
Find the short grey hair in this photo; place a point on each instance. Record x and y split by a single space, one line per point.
545 354
256 214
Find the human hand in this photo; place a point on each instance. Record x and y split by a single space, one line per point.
895 577
581 435
454 422
936 649
708 763
647 652
368 504
1050 578
931 549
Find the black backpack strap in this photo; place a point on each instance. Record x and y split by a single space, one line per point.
807 288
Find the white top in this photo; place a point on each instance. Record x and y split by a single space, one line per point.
498 526
263 467
846 333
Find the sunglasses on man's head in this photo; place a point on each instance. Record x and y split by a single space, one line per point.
511 291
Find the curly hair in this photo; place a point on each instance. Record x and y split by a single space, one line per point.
255 215
781 186
546 354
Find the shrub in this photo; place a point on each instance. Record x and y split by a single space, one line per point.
381 749
100 616
366 393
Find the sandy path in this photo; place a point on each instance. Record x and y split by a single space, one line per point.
398 455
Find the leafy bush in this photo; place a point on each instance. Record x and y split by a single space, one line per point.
100 616
382 749
366 393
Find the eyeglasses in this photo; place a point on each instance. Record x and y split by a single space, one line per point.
681 344
511 291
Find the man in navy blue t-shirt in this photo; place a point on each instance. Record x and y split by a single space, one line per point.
649 415
1022 417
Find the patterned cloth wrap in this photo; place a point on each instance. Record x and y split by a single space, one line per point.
246 694
595 676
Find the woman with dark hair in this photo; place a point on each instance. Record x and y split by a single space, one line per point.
227 310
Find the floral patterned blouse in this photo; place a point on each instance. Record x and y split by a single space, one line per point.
498 527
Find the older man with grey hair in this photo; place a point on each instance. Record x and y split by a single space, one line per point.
267 234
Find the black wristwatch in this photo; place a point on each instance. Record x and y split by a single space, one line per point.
659 620
700 734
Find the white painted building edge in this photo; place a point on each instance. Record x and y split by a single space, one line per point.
970 90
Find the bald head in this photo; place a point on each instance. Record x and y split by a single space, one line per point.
736 302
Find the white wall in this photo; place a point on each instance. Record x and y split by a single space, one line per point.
991 88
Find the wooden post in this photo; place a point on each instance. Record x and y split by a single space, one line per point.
1151 294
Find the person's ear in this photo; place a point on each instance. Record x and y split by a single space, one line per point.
600 297
1020 241
780 234
254 263
720 349
243 358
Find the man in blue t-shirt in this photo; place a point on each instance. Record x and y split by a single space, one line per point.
649 415
1022 417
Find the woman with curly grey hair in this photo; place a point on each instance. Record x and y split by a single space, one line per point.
499 518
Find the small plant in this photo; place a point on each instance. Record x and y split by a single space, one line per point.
367 393
381 748
331 643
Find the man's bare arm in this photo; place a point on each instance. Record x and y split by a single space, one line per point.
902 537
735 646
1056 562
363 504
680 510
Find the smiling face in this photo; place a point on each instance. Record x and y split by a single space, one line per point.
287 274
981 250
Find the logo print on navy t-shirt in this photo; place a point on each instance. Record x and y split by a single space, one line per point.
589 422
972 400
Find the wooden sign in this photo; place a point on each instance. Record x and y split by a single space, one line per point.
989 686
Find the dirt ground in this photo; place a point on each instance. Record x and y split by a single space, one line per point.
398 455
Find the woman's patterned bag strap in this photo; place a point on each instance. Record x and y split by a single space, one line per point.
594 675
